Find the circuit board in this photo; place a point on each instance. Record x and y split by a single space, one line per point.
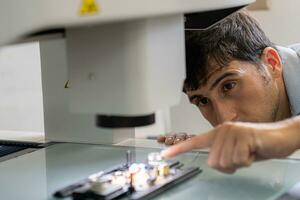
130 180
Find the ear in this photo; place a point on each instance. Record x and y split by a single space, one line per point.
272 61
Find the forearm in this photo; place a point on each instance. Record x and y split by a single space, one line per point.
289 130
277 139
294 130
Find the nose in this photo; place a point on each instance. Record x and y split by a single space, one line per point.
224 111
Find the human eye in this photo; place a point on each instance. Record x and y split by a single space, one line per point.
228 86
203 101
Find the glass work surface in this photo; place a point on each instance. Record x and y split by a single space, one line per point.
39 174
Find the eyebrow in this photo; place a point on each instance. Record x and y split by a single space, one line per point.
216 82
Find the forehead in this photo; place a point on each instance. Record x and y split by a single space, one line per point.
234 67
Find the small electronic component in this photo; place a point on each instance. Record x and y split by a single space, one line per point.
161 139
179 138
170 139
131 180
173 138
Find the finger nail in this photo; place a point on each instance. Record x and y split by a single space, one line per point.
164 153
210 162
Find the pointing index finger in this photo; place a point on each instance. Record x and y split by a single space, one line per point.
197 142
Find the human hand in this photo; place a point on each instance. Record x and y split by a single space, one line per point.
236 144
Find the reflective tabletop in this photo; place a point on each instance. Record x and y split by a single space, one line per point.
39 174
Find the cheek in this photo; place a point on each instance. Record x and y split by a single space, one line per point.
205 113
250 91
209 115
254 102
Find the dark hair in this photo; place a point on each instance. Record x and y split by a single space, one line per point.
237 37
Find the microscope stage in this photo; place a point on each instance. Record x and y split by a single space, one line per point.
131 180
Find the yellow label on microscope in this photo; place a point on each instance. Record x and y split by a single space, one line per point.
89 7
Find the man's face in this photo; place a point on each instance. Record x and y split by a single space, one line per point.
238 92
